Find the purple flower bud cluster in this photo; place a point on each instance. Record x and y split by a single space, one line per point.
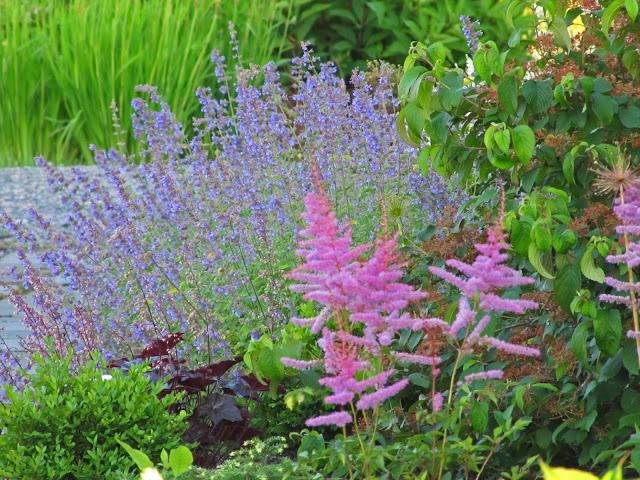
190 233
472 33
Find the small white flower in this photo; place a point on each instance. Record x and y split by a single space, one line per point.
150 473
106 376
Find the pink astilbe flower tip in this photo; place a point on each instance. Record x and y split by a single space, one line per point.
339 419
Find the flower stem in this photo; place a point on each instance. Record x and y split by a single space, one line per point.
443 454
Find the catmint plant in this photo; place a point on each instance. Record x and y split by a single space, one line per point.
193 234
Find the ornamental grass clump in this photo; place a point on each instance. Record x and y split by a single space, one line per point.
192 233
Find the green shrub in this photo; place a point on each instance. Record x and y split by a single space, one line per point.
65 424
257 460
352 32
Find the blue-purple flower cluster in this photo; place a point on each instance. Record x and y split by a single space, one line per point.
194 233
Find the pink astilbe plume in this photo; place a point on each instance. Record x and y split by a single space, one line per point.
627 209
480 289
362 295
330 263
487 275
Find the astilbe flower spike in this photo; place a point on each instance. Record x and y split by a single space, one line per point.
627 209
480 287
354 291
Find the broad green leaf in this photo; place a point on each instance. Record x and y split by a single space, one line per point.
489 141
604 107
138 457
630 117
420 379
632 9
408 87
560 33
403 131
479 416
508 94
565 241
610 13
180 460
541 235
587 420
535 258
451 90
415 118
524 143
538 94
630 357
495 61
607 327
589 268
631 60
480 64
543 438
602 85
566 284
503 140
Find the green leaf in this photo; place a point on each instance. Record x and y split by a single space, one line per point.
587 420
524 143
480 64
631 60
589 268
560 33
451 90
578 342
604 107
420 379
541 235
630 357
489 141
568 167
566 284
180 460
138 457
535 258
410 81
479 416
423 164
538 94
632 9
543 438
508 94
607 328
503 140
415 118
630 117
610 13
269 365
565 241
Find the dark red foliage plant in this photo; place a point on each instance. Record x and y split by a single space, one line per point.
215 398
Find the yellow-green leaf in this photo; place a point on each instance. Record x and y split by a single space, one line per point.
559 473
